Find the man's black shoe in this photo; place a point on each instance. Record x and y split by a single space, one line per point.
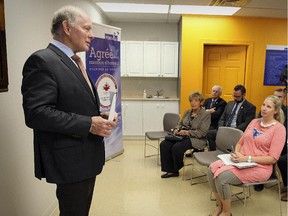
259 187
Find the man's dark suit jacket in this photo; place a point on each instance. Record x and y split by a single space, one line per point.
219 105
246 113
58 105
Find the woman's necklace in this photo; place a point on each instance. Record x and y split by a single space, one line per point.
265 125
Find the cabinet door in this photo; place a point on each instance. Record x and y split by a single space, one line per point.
152 59
123 59
132 118
152 118
169 59
153 113
134 58
170 107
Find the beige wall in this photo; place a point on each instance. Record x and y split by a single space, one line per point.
27 30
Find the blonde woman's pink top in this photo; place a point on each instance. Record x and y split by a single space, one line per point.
256 141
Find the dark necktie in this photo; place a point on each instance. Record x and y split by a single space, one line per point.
232 114
80 64
212 104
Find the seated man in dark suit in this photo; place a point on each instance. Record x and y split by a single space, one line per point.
215 106
237 114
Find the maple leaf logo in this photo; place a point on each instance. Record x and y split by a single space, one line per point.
106 87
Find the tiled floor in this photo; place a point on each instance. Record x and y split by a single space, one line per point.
131 186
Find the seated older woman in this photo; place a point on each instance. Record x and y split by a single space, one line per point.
262 142
193 127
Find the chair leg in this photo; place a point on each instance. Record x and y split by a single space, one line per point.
279 196
193 168
245 199
145 146
158 155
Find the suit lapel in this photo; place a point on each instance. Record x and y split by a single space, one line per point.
73 68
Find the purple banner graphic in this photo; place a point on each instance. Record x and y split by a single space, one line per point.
103 67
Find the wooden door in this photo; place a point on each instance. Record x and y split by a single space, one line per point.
223 65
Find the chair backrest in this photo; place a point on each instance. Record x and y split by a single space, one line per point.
170 121
227 136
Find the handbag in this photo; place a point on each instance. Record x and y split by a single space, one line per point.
172 137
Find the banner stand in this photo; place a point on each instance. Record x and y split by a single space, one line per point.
103 67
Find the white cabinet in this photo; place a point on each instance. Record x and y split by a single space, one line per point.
152 59
141 116
149 59
153 113
169 59
134 58
132 118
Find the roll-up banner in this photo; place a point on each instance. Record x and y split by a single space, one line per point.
103 67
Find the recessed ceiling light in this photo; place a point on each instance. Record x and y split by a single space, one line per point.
133 8
203 10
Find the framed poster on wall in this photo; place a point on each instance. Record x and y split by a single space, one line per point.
275 64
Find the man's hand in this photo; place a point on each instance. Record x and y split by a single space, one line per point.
212 110
101 126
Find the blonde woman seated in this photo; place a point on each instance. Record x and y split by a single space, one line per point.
262 142
193 126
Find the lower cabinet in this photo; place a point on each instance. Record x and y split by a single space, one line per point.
153 113
132 118
141 116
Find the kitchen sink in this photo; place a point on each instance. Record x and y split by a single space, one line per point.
157 97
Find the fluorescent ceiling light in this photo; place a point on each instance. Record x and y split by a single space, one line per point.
133 8
204 10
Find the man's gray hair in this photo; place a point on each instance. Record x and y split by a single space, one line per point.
219 88
69 13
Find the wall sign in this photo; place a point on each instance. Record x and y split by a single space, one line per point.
275 64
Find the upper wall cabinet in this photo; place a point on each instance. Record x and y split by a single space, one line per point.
169 59
149 59
133 58
152 59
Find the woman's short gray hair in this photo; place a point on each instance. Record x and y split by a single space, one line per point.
196 94
69 13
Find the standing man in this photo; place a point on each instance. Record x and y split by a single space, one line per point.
237 114
215 105
61 105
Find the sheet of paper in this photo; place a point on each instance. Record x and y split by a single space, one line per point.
226 158
112 108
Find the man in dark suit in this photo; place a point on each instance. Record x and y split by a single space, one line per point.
61 105
215 105
238 114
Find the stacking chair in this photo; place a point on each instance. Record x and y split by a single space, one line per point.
275 178
170 120
226 136
187 160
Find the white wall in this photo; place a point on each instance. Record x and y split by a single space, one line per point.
148 31
27 30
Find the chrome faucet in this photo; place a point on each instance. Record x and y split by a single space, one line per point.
159 92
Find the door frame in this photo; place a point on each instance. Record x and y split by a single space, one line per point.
248 67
